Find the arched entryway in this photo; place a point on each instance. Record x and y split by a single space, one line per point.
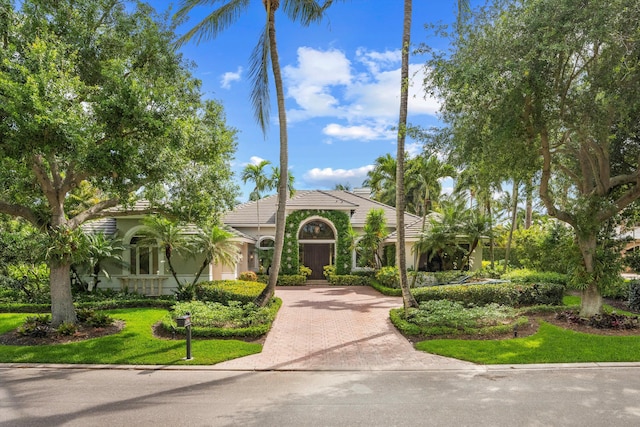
317 240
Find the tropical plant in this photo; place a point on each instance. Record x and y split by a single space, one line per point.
264 54
382 179
529 100
169 236
94 91
101 248
368 247
255 173
217 246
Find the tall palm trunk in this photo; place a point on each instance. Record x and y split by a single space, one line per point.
401 250
514 218
269 290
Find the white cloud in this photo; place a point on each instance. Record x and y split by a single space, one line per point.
364 93
328 177
360 132
229 77
255 160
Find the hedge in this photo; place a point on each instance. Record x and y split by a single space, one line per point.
223 291
513 294
291 280
96 305
348 280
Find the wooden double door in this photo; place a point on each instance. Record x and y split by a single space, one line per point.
316 256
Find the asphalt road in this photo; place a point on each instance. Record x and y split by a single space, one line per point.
498 396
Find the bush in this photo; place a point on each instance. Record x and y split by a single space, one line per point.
185 292
452 318
291 280
348 280
35 326
217 320
248 276
223 291
328 271
634 295
67 329
513 294
389 277
533 276
305 271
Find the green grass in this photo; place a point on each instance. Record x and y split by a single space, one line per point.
551 344
135 344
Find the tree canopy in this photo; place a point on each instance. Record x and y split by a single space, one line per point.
551 86
93 94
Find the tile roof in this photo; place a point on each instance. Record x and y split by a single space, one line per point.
357 206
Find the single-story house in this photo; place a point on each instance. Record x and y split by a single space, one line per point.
317 234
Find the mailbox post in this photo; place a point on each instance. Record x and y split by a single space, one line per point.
185 322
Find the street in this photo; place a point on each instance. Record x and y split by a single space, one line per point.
159 396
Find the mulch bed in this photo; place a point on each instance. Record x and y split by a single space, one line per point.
84 332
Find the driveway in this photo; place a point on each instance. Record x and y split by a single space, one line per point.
331 328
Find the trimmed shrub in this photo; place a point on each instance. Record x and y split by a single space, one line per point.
389 277
532 276
291 279
248 276
223 291
305 271
391 292
513 294
348 280
328 271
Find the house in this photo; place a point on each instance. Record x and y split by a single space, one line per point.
318 233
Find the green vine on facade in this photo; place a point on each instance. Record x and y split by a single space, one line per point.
291 251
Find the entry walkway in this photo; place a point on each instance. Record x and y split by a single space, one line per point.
338 328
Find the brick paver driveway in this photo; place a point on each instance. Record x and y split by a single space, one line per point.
338 328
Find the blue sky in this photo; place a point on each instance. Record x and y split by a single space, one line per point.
341 80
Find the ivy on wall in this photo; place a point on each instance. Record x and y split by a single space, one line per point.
291 252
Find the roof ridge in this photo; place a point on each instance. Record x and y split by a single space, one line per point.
326 192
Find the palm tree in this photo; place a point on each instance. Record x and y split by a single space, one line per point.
103 248
261 183
217 247
382 179
264 54
375 230
275 177
166 234
463 6
401 254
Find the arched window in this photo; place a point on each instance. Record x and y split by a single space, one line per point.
266 243
144 259
316 230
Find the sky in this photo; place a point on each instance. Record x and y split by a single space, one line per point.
341 79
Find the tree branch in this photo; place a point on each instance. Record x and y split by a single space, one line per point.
19 211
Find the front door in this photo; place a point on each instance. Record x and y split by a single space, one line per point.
316 256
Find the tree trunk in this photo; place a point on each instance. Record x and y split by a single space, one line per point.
591 298
514 218
401 252
269 290
62 310
528 219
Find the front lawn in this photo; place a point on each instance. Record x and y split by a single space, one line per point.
551 344
135 344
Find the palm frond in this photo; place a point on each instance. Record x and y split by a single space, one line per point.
214 23
259 73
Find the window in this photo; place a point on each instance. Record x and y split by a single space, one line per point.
314 230
266 243
143 259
